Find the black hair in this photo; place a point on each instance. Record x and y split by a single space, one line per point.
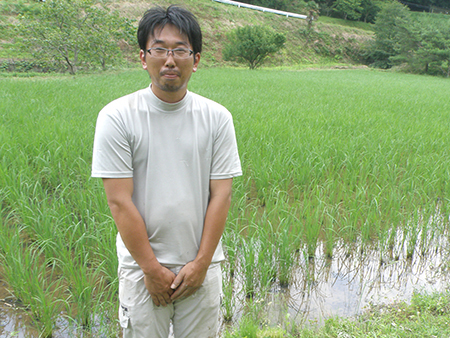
158 17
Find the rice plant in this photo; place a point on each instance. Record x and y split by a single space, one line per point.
332 160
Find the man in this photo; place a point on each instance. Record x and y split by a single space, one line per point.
167 158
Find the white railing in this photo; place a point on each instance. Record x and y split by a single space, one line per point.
262 9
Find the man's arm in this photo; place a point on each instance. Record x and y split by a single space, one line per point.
193 273
131 226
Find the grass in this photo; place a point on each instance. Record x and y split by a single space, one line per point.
346 23
328 156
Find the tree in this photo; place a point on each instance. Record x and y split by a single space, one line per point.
105 30
426 5
326 6
391 23
421 45
74 33
438 50
370 9
313 13
252 45
432 50
349 9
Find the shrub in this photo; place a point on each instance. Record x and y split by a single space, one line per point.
252 45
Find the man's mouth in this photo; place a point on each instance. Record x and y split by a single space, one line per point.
170 74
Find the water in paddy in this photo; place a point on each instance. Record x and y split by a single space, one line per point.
349 283
355 277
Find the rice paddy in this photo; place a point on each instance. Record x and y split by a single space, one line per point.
344 170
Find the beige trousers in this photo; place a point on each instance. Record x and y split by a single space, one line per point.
194 317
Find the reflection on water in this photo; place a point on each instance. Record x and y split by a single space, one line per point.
355 277
13 323
359 276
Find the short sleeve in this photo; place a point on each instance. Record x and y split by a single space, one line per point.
112 155
225 161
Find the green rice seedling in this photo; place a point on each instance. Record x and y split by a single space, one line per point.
429 232
105 309
40 225
256 259
34 282
266 256
267 268
330 230
313 224
412 234
228 300
15 263
46 302
8 234
83 281
386 252
286 248
248 258
105 251
230 242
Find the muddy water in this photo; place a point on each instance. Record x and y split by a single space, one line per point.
13 323
342 286
349 283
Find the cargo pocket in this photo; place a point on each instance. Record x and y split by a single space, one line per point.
124 316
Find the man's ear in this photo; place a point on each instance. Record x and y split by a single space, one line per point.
142 57
196 62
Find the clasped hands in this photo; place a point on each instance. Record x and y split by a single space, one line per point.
165 287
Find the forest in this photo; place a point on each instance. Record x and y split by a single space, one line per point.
356 10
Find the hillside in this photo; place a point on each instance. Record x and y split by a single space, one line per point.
332 41
336 40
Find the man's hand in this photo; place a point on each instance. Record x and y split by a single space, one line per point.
189 279
158 284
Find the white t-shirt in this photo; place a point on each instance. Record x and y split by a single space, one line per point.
171 151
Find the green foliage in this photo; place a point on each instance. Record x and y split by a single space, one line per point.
363 10
436 303
428 5
73 34
433 49
23 66
356 10
249 328
421 45
16 7
313 13
369 9
350 9
391 23
326 6
252 45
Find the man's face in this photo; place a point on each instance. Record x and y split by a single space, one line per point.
169 75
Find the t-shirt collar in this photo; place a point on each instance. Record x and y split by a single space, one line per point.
166 107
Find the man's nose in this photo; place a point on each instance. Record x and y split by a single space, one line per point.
170 60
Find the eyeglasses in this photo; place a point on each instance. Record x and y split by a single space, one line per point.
177 53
